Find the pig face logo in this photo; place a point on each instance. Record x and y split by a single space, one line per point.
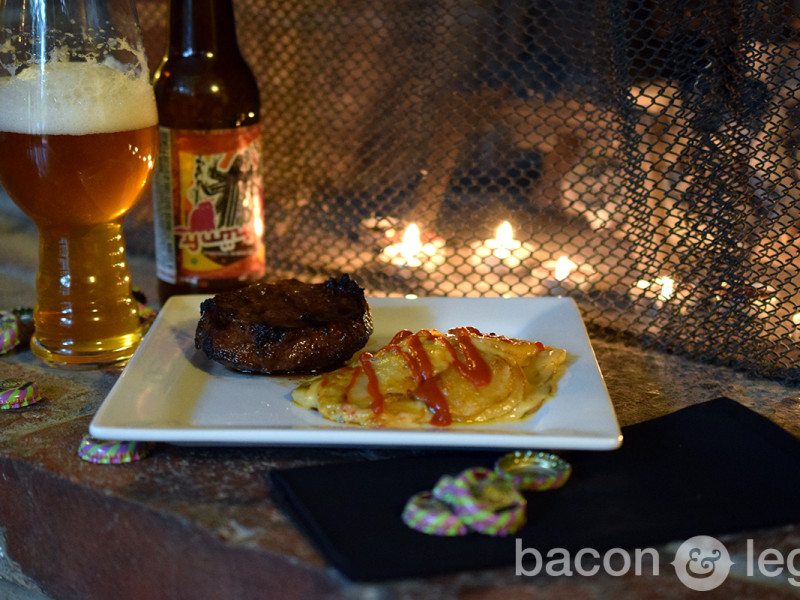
702 563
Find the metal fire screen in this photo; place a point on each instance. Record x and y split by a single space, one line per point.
639 156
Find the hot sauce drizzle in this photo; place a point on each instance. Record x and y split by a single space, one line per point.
473 368
399 337
373 388
428 389
356 372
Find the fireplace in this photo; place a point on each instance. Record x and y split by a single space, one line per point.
638 156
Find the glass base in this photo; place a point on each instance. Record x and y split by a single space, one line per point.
117 357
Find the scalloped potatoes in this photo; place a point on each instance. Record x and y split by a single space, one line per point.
462 377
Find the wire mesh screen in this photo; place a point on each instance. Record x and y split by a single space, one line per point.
639 156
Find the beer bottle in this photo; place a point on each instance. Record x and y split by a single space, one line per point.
207 187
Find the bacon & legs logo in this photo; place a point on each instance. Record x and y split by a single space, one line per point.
702 563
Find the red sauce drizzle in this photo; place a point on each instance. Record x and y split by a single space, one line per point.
373 388
352 382
428 389
473 368
399 337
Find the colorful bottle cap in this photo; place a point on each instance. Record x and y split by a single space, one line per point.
111 452
147 315
9 331
24 315
485 500
427 514
16 328
534 471
18 393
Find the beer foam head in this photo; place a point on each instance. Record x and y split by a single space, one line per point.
75 98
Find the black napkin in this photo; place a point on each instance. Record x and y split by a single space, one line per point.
713 468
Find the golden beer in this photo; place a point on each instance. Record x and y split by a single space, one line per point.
76 177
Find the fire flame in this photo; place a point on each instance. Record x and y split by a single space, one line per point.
564 266
410 251
666 284
503 242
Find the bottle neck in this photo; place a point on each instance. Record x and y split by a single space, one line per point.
206 27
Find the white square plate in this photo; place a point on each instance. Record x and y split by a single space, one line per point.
170 392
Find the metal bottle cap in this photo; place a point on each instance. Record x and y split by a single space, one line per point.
423 512
9 331
534 471
486 501
111 452
18 393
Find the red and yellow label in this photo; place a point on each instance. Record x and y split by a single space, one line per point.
208 197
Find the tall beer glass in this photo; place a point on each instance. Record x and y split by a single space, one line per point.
78 141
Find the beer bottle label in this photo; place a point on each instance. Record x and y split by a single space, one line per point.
207 190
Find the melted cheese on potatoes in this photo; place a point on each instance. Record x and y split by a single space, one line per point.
429 377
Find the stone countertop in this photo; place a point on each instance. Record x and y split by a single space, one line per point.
198 522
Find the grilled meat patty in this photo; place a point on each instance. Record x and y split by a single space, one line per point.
285 327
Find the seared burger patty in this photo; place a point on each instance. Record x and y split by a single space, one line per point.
285 327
